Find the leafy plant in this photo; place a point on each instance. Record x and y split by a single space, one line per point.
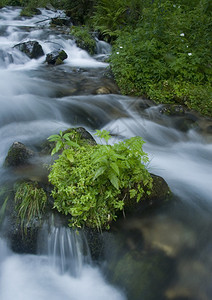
167 55
90 185
63 140
30 203
84 38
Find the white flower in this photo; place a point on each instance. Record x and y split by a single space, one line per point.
189 53
117 52
182 34
187 46
174 5
120 47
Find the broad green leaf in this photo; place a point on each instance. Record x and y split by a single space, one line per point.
99 172
59 146
54 138
115 167
114 180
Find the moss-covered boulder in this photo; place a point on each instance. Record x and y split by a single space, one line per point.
84 39
56 57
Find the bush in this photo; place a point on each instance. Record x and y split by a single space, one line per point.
84 38
89 180
168 55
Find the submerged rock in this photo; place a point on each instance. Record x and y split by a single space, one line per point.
56 57
31 48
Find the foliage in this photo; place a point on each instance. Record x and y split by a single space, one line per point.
30 202
4 197
110 17
168 55
84 38
63 140
80 11
88 181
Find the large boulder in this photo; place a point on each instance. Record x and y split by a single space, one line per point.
31 48
56 57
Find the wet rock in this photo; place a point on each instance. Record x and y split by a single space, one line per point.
103 90
84 39
50 7
56 57
31 48
84 136
18 155
141 275
172 110
60 21
160 194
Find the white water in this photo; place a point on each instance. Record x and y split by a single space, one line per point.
29 114
30 111
25 277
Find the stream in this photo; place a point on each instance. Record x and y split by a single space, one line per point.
166 254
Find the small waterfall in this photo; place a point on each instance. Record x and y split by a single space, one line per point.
67 249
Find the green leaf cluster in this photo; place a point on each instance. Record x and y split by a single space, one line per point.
167 55
84 38
30 203
91 182
63 140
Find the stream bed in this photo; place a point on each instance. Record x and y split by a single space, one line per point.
166 253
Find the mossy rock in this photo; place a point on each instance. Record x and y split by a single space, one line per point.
160 194
56 57
18 155
84 39
84 137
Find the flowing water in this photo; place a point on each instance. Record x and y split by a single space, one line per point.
164 255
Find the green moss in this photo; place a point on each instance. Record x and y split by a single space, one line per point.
84 38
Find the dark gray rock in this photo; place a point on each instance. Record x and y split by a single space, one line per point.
31 48
56 57
66 21
18 155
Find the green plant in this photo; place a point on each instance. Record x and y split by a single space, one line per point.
30 203
167 55
84 38
63 140
89 181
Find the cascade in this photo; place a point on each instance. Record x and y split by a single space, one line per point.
167 254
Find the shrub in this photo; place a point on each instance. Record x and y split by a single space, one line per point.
89 180
167 56
84 38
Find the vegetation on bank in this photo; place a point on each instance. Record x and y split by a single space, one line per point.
162 49
91 182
